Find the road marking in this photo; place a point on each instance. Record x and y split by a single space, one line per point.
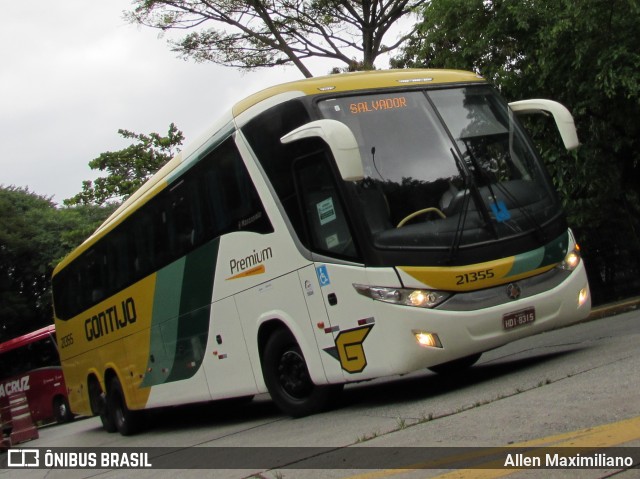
605 435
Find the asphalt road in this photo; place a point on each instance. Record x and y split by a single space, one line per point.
577 387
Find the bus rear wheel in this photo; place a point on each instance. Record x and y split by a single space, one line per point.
288 380
125 421
98 401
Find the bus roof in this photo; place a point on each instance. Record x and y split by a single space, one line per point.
329 84
359 81
27 338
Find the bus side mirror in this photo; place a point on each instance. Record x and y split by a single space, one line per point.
562 116
341 141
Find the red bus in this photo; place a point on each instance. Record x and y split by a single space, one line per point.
31 364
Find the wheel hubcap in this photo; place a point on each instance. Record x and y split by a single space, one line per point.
293 375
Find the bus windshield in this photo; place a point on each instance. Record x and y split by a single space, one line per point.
452 166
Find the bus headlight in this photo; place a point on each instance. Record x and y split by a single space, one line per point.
419 298
571 260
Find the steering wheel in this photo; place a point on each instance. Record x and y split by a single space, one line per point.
418 213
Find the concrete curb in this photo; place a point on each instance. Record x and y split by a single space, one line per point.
612 309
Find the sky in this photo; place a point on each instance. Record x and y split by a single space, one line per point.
74 72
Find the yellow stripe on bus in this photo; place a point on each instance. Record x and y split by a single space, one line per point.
359 81
260 269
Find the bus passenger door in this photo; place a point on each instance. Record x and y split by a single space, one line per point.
320 322
342 318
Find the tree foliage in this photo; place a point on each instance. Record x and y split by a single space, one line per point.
34 236
249 34
585 55
129 168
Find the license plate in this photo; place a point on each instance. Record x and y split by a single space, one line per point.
519 318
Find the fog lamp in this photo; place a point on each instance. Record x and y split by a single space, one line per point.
427 339
583 296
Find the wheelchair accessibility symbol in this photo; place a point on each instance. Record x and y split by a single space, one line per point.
323 275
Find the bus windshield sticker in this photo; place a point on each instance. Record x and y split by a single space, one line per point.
326 211
332 241
500 211
308 287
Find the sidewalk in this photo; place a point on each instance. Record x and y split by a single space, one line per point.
612 309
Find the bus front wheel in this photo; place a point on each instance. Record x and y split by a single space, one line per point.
126 421
287 378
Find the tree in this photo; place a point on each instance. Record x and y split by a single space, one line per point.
585 55
34 236
23 267
129 168
249 34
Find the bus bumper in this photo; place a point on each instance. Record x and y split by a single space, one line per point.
469 328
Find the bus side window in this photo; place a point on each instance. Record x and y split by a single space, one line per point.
216 219
233 202
95 274
145 244
215 197
326 222
263 134
185 214
118 249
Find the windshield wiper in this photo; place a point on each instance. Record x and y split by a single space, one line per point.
523 209
469 186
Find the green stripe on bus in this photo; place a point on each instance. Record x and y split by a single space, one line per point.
164 323
180 323
551 253
195 309
556 251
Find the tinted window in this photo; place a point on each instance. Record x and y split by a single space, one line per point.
263 134
213 198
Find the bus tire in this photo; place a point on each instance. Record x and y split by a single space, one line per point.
125 421
98 401
457 366
287 378
61 410
107 422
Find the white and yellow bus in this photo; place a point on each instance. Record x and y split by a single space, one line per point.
325 231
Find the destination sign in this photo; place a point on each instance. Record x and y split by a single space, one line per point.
379 104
